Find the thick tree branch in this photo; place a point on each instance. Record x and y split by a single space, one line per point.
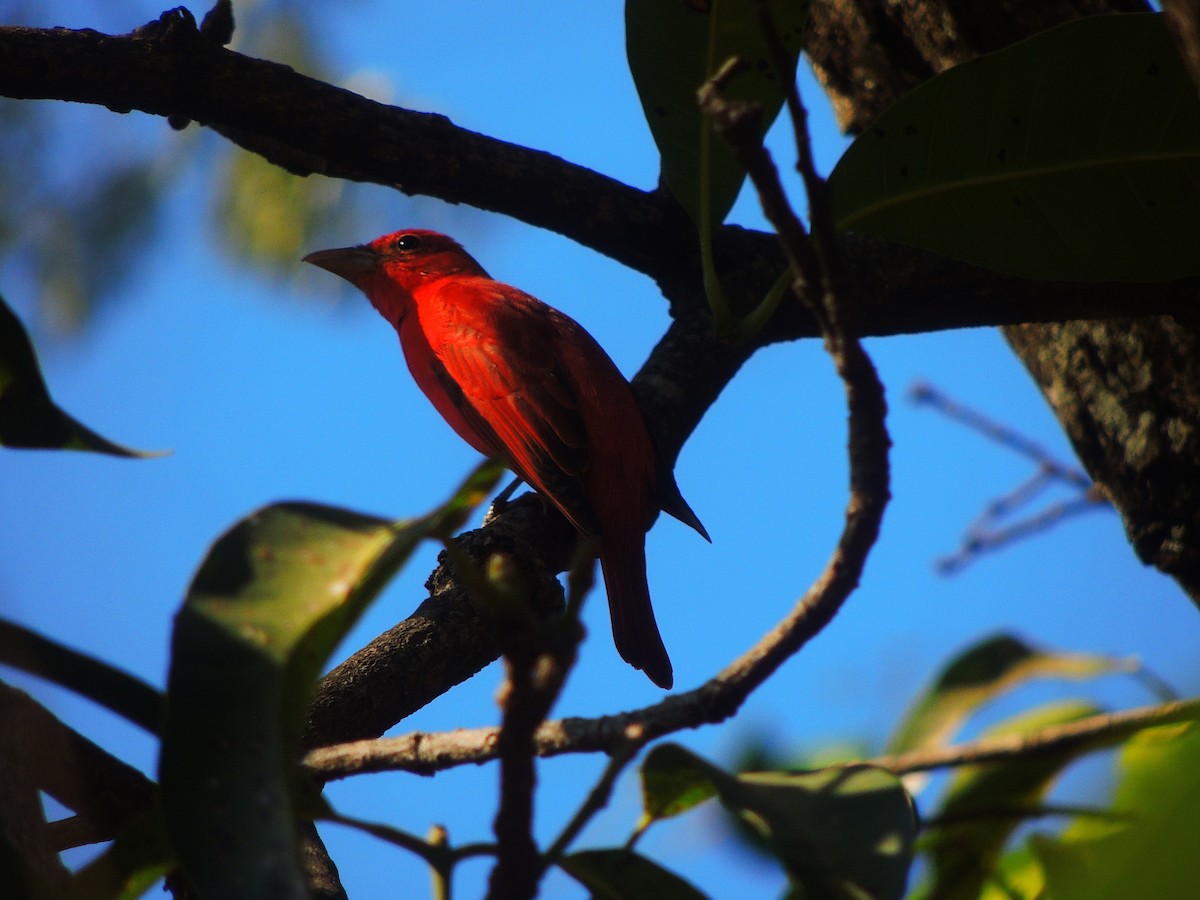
103 791
308 126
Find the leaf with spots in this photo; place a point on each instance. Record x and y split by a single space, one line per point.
272 599
1072 155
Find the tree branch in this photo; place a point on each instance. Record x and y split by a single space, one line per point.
1101 730
308 126
103 791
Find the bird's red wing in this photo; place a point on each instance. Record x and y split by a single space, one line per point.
502 358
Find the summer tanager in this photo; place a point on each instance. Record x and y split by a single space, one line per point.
519 379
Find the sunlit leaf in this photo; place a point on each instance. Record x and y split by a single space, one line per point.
984 804
674 780
270 602
1152 853
673 48
1074 154
846 831
983 672
28 417
625 875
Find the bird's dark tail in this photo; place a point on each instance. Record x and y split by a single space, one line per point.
635 632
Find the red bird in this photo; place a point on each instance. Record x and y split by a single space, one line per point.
519 379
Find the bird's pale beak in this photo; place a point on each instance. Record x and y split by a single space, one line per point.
348 262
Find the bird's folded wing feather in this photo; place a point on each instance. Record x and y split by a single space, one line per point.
505 365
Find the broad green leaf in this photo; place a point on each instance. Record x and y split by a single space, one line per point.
673 47
981 673
840 832
107 685
985 804
272 599
674 780
28 417
757 753
626 875
1153 852
1072 155
1018 874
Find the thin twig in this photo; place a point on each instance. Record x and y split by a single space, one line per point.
928 395
1021 813
537 660
1100 730
596 800
985 534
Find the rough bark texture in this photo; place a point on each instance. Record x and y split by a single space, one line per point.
1126 392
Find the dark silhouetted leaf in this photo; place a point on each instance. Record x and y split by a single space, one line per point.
673 48
1073 155
846 831
625 875
28 417
110 687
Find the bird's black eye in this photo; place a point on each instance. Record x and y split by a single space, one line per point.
407 242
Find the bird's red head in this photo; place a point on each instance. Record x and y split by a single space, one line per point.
390 268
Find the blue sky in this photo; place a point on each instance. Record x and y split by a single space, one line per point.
270 389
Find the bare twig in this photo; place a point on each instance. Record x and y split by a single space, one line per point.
985 534
596 800
1022 813
1004 435
1105 729
537 659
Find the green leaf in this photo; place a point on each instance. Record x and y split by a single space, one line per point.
626 875
981 673
674 780
107 685
1072 155
272 599
1152 853
846 831
985 804
28 417
673 47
